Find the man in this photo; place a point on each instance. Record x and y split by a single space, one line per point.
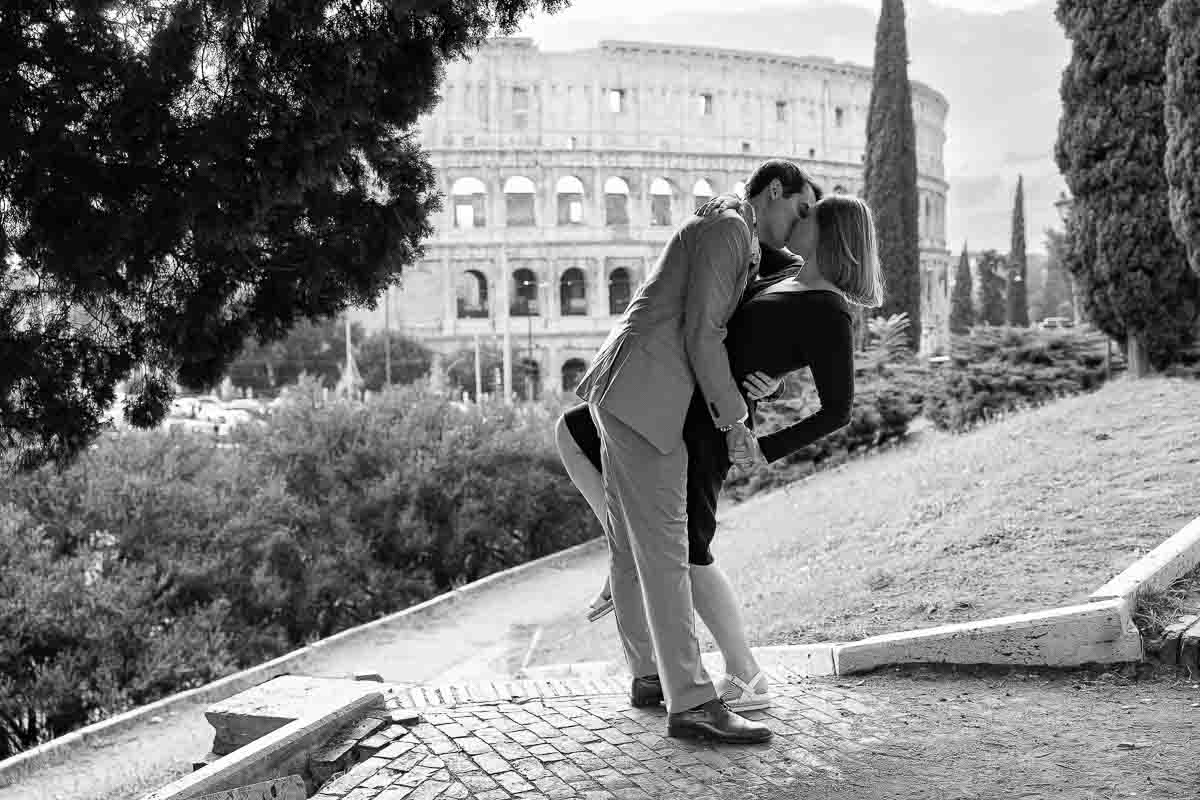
639 386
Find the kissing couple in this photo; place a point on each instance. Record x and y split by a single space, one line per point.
745 290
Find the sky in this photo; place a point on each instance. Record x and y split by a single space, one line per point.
1004 107
641 10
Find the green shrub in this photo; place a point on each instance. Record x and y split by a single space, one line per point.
883 410
993 371
163 560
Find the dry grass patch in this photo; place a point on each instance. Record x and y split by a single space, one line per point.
1034 511
1156 610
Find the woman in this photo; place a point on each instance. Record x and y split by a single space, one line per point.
795 316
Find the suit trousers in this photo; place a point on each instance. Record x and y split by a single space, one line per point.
646 498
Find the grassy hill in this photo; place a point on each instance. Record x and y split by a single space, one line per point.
1033 511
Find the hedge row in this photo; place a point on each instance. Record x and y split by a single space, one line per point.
162 561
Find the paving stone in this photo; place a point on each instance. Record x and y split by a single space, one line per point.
511 751
394 793
513 782
492 764
396 749
830 741
493 794
473 746
477 781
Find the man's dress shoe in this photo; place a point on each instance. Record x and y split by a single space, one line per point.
646 691
714 720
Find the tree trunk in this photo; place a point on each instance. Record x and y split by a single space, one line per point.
1136 357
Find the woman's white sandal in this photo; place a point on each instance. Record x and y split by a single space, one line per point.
742 696
600 607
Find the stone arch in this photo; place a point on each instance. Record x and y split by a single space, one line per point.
524 293
569 192
702 192
616 201
661 192
519 193
572 373
472 294
572 292
620 290
468 198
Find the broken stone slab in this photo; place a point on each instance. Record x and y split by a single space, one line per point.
405 716
1189 651
254 713
287 788
371 745
331 759
1169 653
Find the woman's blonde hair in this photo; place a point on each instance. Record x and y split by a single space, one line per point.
847 252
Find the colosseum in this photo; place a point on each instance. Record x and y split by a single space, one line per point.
565 173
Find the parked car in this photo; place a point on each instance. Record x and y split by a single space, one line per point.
1050 323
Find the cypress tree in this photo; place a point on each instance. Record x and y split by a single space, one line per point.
1182 19
890 173
991 266
1017 311
1130 269
962 311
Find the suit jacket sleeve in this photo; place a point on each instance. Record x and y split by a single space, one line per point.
720 257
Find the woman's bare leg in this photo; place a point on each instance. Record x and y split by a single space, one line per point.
585 476
712 593
718 607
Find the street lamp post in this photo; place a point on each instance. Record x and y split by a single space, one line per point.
531 307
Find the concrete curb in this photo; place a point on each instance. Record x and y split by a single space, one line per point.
1097 632
1070 636
11 769
1158 569
279 753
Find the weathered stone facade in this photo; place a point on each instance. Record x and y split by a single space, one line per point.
565 173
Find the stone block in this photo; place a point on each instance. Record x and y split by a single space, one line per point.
368 676
367 726
331 759
1189 651
406 716
371 745
1100 633
1169 652
254 713
290 787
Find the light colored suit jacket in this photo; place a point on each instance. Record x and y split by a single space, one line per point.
671 338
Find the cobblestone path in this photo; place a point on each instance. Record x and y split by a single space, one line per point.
897 734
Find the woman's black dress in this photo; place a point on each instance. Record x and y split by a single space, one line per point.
775 330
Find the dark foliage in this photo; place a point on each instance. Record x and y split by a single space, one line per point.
993 371
1131 270
1182 21
158 562
178 176
1016 293
992 308
890 170
962 304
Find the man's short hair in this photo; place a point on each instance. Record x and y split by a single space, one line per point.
793 179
